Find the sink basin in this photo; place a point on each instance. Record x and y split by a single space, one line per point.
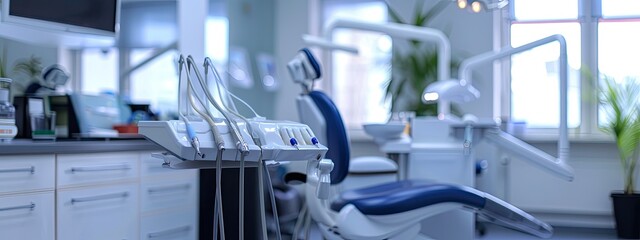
384 130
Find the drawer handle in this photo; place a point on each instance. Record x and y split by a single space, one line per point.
29 206
101 168
168 232
169 188
31 170
99 197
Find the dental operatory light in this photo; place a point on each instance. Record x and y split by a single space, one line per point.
431 97
477 6
461 91
462 4
452 90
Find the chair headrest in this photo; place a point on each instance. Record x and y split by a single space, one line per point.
304 67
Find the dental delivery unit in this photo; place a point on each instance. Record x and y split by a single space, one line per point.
212 134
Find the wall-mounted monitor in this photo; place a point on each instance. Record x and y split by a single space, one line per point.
95 17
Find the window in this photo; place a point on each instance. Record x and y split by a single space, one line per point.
535 73
148 32
99 71
618 39
357 80
601 40
155 83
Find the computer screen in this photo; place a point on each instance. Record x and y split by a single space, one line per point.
84 16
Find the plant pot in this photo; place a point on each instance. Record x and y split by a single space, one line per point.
626 209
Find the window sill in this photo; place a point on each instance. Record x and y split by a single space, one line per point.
358 135
573 138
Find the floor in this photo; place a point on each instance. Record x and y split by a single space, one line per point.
495 232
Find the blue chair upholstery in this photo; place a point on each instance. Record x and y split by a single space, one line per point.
395 197
402 196
313 62
337 140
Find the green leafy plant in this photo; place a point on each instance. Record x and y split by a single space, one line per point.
31 67
415 70
620 101
3 73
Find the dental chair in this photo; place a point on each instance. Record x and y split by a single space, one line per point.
391 210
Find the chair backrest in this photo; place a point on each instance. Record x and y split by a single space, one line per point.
336 136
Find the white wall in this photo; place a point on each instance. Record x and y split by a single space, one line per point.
251 26
291 21
585 201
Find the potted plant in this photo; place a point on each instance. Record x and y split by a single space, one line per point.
30 70
620 101
413 71
3 73
4 76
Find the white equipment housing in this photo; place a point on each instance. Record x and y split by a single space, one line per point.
273 141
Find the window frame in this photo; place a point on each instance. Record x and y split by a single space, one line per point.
326 83
589 15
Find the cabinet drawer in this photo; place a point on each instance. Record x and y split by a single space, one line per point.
176 225
169 193
27 173
82 169
151 166
109 212
27 216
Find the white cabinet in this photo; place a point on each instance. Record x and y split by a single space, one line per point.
121 195
174 225
178 191
105 212
98 196
27 207
27 216
86 169
22 173
169 201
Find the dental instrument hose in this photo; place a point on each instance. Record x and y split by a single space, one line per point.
209 65
299 222
219 83
193 139
232 124
261 198
307 226
274 209
241 145
208 116
219 194
242 149
218 215
218 212
241 201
